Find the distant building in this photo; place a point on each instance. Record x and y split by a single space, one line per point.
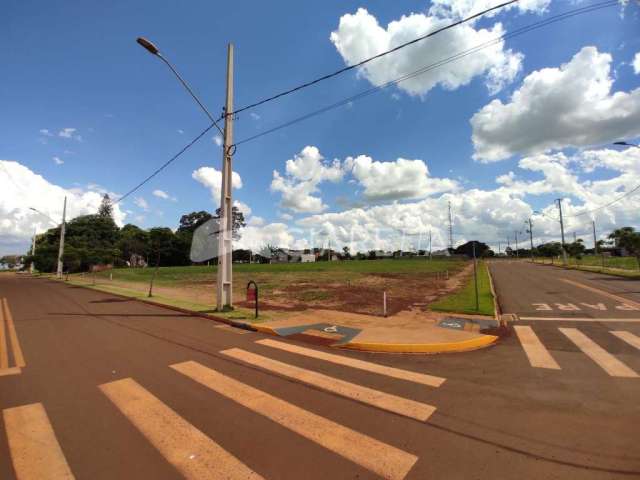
441 253
285 255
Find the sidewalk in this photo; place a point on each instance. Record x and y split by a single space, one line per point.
408 332
413 331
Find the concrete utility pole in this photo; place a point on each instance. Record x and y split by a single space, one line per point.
564 251
595 240
517 256
429 243
62 227
574 237
33 251
225 245
450 228
531 236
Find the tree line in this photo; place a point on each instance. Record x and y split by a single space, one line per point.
92 240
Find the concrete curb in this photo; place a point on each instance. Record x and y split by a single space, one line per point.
431 348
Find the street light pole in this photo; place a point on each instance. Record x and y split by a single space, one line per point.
33 251
62 228
564 252
531 236
225 245
517 255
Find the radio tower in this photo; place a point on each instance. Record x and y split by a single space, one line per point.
450 228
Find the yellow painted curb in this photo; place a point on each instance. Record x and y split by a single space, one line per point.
262 329
464 346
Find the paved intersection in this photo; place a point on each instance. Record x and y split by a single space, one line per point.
112 388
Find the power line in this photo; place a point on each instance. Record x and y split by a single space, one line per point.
440 63
367 60
166 164
606 204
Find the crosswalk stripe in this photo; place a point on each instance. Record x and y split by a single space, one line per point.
35 451
189 450
415 377
604 359
13 337
628 337
376 398
4 351
536 352
385 460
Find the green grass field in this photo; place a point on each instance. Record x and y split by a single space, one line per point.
344 269
354 286
625 263
464 300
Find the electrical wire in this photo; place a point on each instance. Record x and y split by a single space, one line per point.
625 195
365 93
367 60
166 164
440 63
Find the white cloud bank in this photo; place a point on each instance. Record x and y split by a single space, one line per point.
569 106
21 188
304 172
636 63
402 179
360 36
212 179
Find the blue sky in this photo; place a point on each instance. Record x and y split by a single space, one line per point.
75 65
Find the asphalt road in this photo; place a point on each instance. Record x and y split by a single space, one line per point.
99 394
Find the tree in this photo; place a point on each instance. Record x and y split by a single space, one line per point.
133 241
629 239
467 249
106 207
575 249
238 221
191 221
11 260
551 249
346 253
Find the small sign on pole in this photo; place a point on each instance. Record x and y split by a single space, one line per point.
252 294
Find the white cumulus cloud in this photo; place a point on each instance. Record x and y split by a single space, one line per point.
636 63
402 179
163 195
304 172
360 36
569 106
212 179
22 188
464 8
58 160
140 202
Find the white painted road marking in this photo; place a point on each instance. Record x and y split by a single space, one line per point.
537 354
189 450
584 319
35 451
604 359
385 460
375 398
626 303
393 372
628 337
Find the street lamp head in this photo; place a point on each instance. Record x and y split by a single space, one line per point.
147 45
31 208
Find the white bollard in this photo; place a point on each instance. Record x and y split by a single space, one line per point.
384 303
